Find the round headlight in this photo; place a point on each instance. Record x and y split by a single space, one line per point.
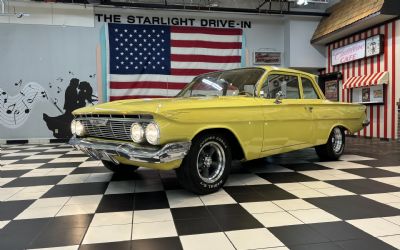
73 125
79 128
137 133
152 133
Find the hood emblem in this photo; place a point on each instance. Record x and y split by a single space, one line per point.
99 122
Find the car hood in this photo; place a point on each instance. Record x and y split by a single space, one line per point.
162 105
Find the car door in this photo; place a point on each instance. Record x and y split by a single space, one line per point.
287 122
318 107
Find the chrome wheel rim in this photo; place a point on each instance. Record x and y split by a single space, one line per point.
337 140
211 162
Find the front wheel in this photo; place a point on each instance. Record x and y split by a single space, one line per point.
334 148
119 168
207 165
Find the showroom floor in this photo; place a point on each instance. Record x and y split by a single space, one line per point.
54 196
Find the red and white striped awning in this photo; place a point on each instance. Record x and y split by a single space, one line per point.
367 80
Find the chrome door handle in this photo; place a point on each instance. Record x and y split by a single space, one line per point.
310 109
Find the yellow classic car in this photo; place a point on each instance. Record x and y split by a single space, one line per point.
240 114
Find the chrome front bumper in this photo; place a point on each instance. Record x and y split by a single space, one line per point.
105 150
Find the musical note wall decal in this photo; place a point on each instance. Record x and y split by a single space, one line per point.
16 109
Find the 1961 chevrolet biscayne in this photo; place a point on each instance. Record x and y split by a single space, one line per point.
241 114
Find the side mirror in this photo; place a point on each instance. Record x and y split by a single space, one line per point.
278 97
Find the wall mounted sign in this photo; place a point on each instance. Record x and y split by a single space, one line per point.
348 53
267 58
371 46
374 45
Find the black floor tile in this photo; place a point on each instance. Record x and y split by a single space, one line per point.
364 244
90 170
364 186
10 209
353 207
304 166
70 221
77 154
120 245
35 181
381 162
12 173
61 165
317 246
298 235
196 226
76 189
238 222
32 161
286 177
255 193
116 203
18 234
339 231
171 183
169 243
227 210
151 200
63 236
371 172
185 213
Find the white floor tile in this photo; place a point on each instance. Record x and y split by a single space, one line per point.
260 207
383 198
120 187
34 157
114 218
218 198
293 204
253 238
306 193
334 191
210 241
315 215
152 215
84 199
245 179
341 164
74 247
50 202
277 219
3 223
38 212
153 230
78 209
376 226
393 240
148 186
355 158
108 234
183 198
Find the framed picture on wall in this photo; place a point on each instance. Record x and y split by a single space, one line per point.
332 90
368 95
267 58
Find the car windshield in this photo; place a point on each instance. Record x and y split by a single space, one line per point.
224 83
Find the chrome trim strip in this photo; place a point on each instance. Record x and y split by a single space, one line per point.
106 150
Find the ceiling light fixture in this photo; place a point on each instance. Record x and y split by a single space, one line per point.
302 2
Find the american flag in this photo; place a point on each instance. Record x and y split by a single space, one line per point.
149 61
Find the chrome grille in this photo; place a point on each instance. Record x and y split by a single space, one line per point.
111 127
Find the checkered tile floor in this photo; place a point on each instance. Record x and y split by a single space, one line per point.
55 197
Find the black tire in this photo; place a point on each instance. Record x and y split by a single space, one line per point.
210 154
119 168
334 147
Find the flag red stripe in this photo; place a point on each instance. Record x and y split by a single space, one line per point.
115 98
385 96
205 44
201 30
147 84
205 58
393 79
190 72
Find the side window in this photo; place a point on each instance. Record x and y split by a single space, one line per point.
287 84
308 89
